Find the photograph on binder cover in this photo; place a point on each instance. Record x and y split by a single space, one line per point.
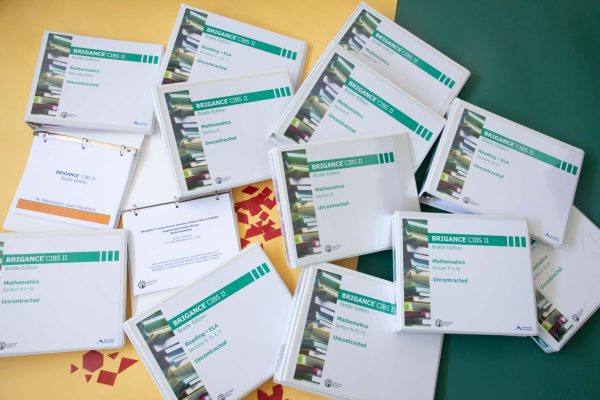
186 47
171 358
302 203
461 154
322 95
417 302
360 32
52 74
317 328
189 139
550 318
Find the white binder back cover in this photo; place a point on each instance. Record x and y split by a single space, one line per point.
220 335
173 244
206 46
71 180
62 292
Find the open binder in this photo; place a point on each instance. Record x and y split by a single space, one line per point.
73 178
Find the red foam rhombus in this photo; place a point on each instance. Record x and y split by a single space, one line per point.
106 377
125 363
249 190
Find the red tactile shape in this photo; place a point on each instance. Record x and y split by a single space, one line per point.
88 377
106 377
113 355
266 191
73 368
125 363
263 216
277 394
272 234
243 218
270 203
93 360
244 242
250 190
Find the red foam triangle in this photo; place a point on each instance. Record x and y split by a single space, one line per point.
73 368
113 355
125 363
88 377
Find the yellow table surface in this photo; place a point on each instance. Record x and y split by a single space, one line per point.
21 25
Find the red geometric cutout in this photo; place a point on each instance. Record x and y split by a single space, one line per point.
93 360
277 394
125 363
88 377
113 355
106 377
73 368
249 190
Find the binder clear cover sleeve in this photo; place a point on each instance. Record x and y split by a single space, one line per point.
217 132
220 335
415 66
336 198
207 46
85 82
73 181
62 292
566 282
486 164
341 343
463 274
343 97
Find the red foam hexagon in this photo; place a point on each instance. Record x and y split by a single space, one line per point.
93 360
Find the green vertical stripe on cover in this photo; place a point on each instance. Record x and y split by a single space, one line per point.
391 156
382 105
116 255
423 65
523 241
226 101
212 300
366 301
348 162
244 40
471 240
517 242
55 258
266 267
109 55
524 149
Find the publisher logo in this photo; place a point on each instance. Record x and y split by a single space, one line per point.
523 328
328 248
64 114
221 397
2 345
328 382
575 317
466 200
139 123
438 323
142 284
218 180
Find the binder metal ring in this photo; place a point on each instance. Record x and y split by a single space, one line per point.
83 143
217 195
123 148
176 201
135 210
44 136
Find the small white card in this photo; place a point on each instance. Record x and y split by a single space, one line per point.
75 181
174 244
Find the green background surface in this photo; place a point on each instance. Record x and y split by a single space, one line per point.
534 62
